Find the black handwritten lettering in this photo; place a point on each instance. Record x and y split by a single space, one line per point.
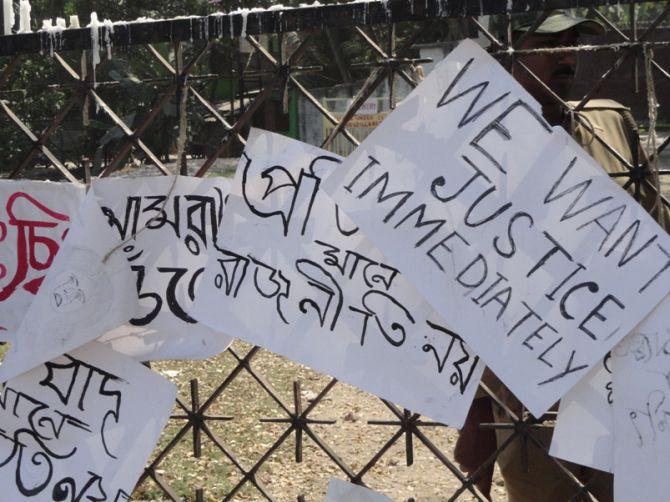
496 125
555 248
201 217
490 287
373 162
660 271
510 238
322 165
66 489
280 286
440 182
653 419
478 280
625 257
443 245
369 310
130 220
536 334
323 282
435 224
581 188
38 469
160 219
171 291
568 277
596 313
280 180
458 377
375 274
569 368
233 270
488 218
382 196
502 298
524 318
480 87
70 369
600 219
590 285
541 357
338 222
331 256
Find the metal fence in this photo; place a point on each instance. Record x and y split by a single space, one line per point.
267 57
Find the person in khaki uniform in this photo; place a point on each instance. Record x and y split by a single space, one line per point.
538 478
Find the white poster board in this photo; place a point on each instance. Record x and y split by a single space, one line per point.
80 427
341 491
167 258
34 218
507 227
81 298
641 378
293 275
584 431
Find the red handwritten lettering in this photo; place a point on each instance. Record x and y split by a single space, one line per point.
28 242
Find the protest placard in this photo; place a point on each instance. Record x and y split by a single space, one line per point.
584 430
170 226
341 491
641 379
80 427
86 293
507 227
293 275
34 218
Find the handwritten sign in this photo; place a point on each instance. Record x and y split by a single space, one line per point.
341 491
291 273
34 218
80 427
511 231
641 377
81 298
167 258
584 431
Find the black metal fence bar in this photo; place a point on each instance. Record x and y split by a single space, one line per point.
278 21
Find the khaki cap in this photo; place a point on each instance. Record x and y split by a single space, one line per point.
557 21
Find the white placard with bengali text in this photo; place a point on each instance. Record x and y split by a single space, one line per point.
34 219
641 380
85 294
80 427
174 221
507 227
293 275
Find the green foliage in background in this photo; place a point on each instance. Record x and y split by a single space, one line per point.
39 88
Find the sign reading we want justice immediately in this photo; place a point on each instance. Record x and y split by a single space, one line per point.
510 230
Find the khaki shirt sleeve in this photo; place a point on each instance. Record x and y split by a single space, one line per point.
609 124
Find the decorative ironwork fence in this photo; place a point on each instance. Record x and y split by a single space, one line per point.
265 60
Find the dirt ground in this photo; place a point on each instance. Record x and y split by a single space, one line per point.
351 438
